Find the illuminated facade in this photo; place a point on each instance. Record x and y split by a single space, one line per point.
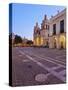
41 34
57 31
37 36
52 32
45 31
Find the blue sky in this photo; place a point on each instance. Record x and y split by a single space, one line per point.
24 17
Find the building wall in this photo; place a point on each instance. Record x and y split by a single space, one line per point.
59 38
44 36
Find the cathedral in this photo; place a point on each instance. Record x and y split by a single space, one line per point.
41 35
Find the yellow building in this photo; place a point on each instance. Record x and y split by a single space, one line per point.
52 32
57 31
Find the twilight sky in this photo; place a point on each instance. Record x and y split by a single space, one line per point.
24 17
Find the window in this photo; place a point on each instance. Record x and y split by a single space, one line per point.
39 32
47 27
48 35
62 26
54 29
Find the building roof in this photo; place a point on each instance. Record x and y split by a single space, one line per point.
59 14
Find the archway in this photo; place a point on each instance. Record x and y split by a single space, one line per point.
61 46
62 41
47 43
55 42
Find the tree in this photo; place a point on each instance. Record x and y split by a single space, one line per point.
29 42
17 39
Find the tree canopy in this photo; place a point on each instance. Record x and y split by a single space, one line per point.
29 42
17 39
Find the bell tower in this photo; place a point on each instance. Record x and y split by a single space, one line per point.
45 30
36 35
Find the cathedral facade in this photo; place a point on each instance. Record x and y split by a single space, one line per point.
41 34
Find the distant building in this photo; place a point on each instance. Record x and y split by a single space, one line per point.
52 32
25 40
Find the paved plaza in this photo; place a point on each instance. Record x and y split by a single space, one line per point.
38 66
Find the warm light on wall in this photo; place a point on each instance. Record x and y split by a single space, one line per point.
37 40
41 40
62 40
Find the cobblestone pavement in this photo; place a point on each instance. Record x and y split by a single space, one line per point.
38 66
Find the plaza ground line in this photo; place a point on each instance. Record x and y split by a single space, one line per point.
46 68
49 60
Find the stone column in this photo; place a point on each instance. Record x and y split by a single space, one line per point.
58 42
